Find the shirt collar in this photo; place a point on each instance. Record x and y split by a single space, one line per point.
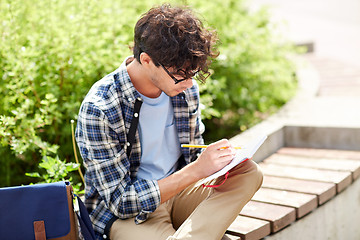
124 83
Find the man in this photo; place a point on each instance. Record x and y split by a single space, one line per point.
139 181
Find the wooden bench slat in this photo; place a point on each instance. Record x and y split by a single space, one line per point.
323 190
341 179
352 166
303 203
278 216
322 153
249 228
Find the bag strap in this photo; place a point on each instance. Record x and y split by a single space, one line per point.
84 220
133 126
131 140
39 230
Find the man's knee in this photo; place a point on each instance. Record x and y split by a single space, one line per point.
258 176
254 173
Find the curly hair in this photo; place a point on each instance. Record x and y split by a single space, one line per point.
174 37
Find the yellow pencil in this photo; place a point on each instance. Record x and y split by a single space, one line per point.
199 146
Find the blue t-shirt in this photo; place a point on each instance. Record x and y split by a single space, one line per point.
160 146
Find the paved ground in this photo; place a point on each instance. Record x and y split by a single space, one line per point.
337 78
334 25
333 73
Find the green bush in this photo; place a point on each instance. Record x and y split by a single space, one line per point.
52 51
55 170
50 54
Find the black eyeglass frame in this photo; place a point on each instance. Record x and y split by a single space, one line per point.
172 76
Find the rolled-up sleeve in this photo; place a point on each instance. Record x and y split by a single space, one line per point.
101 138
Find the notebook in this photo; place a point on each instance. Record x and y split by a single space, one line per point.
246 152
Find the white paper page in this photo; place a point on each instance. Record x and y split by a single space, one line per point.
246 152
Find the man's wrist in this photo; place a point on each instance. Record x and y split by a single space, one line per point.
192 173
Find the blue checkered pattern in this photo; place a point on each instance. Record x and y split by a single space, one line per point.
112 188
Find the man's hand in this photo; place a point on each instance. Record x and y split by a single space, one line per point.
216 156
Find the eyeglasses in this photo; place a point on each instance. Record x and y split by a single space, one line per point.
178 80
172 76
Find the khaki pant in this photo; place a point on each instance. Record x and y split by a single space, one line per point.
196 213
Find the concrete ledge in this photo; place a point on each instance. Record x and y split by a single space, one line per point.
302 137
322 137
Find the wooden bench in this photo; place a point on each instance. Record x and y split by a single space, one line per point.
296 182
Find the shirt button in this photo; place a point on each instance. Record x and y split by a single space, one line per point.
127 144
130 99
136 115
104 236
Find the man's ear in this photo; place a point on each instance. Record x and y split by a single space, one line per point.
145 59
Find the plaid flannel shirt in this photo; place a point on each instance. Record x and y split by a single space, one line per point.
112 188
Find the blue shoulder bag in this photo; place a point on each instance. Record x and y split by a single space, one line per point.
43 211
